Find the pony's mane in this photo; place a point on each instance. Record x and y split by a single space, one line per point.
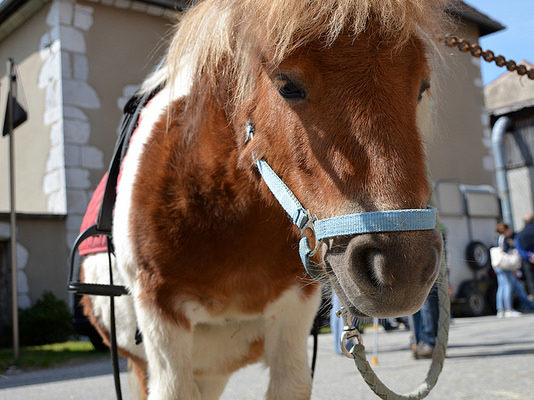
214 31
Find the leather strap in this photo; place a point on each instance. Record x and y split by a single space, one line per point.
129 123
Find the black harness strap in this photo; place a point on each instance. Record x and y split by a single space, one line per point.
103 225
129 123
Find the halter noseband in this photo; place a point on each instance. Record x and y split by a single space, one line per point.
349 224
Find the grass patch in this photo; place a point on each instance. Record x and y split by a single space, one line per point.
34 357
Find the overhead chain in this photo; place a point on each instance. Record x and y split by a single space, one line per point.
488 55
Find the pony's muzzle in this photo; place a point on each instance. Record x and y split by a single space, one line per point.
385 274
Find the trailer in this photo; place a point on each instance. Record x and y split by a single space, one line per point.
469 214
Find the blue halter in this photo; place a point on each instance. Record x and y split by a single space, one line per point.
350 224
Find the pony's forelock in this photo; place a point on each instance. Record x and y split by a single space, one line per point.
219 36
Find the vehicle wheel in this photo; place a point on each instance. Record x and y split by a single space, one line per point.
477 255
475 302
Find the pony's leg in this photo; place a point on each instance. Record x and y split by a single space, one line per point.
288 323
168 348
137 380
211 387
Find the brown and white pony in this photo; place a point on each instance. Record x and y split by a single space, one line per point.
209 256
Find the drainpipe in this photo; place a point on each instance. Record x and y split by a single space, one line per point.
500 128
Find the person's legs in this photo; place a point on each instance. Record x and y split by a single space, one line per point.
417 327
336 324
507 296
430 317
501 283
519 290
507 290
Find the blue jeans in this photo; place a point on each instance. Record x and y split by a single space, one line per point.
426 320
524 302
504 289
336 324
417 326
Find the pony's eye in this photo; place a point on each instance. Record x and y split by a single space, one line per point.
290 90
425 85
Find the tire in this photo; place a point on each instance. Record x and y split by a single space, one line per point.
475 302
477 255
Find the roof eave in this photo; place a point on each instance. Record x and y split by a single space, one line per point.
13 13
9 7
177 5
486 25
503 110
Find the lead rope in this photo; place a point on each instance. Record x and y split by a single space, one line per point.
358 350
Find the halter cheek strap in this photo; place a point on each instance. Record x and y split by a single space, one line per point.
349 224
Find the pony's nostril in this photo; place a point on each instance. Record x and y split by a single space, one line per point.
374 262
367 262
375 258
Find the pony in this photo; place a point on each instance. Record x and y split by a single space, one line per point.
331 89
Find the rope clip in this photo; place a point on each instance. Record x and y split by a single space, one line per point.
349 332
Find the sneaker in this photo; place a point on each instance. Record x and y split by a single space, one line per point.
500 314
423 350
512 314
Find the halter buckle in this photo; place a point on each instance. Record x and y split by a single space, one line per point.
310 224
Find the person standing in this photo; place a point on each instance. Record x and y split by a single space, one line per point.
524 243
505 277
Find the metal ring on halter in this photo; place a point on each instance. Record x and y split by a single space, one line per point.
310 224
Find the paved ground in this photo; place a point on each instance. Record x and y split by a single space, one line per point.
487 359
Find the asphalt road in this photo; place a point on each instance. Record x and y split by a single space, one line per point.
487 359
